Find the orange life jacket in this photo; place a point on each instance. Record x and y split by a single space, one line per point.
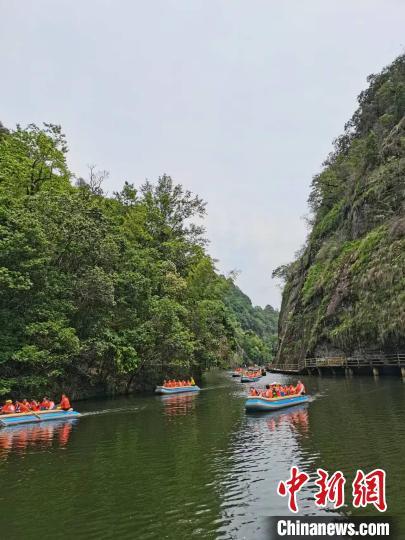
23 407
8 408
65 403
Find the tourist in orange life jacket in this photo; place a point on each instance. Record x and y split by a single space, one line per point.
26 403
34 406
65 403
44 405
300 388
8 407
268 393
23 406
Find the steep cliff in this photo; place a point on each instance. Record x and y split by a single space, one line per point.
345 293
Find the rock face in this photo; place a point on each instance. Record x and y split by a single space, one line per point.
345 293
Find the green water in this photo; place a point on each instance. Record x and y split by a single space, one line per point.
195 466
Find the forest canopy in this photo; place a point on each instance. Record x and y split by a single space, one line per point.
104 294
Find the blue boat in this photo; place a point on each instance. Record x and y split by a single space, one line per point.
35 417
164 390
244 378
262 404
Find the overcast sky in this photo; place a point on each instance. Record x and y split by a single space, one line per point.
237 100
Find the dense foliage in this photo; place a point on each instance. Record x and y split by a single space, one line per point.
256 326
104 294
346 291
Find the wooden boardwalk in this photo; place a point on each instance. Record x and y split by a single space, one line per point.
370 362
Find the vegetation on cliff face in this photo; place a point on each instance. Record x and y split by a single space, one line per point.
345 293
103 294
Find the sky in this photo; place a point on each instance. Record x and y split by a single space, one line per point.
238 100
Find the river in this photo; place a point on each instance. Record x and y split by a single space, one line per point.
196 466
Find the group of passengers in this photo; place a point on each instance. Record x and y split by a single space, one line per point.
174 384
253 374
26 406
277 390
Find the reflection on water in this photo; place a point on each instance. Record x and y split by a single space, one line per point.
29 436
196 466
297 418
261 454
179 404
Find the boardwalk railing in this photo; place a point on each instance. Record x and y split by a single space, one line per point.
365 360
